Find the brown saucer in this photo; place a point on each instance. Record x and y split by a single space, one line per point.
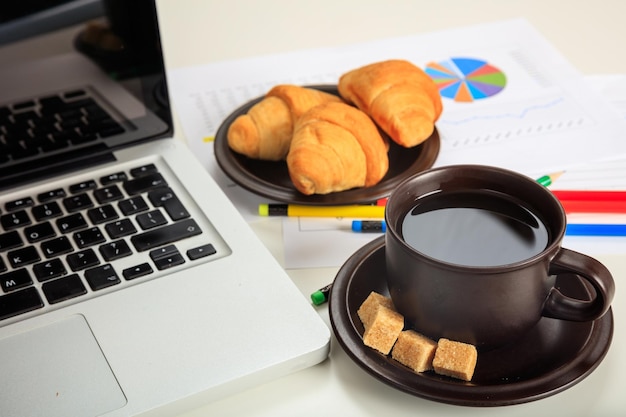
271 179
554 356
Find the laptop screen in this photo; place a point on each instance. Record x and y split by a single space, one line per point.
78 80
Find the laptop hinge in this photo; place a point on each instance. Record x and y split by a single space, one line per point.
49 167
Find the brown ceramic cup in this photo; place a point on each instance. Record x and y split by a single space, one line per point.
486 304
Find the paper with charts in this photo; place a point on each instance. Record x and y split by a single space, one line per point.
510 99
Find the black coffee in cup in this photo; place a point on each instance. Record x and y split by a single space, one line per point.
472 254
474 228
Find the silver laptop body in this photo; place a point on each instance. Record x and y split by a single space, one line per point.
144 291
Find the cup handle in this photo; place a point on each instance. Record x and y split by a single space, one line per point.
560 306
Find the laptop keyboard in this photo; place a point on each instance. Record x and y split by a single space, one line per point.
89 237
50 123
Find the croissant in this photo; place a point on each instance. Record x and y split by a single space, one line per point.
401 98
265 131
336 147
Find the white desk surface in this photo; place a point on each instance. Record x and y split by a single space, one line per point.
590 34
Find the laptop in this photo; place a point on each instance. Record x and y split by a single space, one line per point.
129 284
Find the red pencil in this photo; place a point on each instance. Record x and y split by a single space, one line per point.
575 201
590 195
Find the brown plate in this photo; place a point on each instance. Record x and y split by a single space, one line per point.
271 179
554 356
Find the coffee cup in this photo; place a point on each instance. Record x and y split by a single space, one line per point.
473 253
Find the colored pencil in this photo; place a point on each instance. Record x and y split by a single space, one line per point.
579 229
548 180
576 201
294 210
369 226
320 296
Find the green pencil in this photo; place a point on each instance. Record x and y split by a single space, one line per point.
547 180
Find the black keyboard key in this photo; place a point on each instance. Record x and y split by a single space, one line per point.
151 219
48 270
84 137
137 271
19 302
166 257
15 280
15 220
88 237
163 252
57 246
22 105
51 195
120 228
19 204
143 170
102 214
115 250
169 262
133 205
51 104
77 202
19 150
166 234
46 131
63 139
74 94
10 240
71 223
82 260
113 178
3 266
201 251
90 107
101 277
39 232
144 183
62 289
108 194
109 128
23 256
165 197
83 186
24 117
47 211
86 105
70 124
98 122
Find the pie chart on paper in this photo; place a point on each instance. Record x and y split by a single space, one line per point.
466 79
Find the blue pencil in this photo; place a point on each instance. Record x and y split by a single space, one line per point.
595 229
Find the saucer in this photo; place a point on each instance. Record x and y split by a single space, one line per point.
552 357
271 178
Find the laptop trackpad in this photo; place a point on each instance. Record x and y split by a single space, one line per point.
57 370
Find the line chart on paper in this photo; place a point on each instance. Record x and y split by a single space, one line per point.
515 120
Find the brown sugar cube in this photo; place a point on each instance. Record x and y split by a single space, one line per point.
367 310
414 351
383 330
455 359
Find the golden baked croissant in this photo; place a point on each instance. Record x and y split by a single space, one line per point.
265 131
401 98
336 147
